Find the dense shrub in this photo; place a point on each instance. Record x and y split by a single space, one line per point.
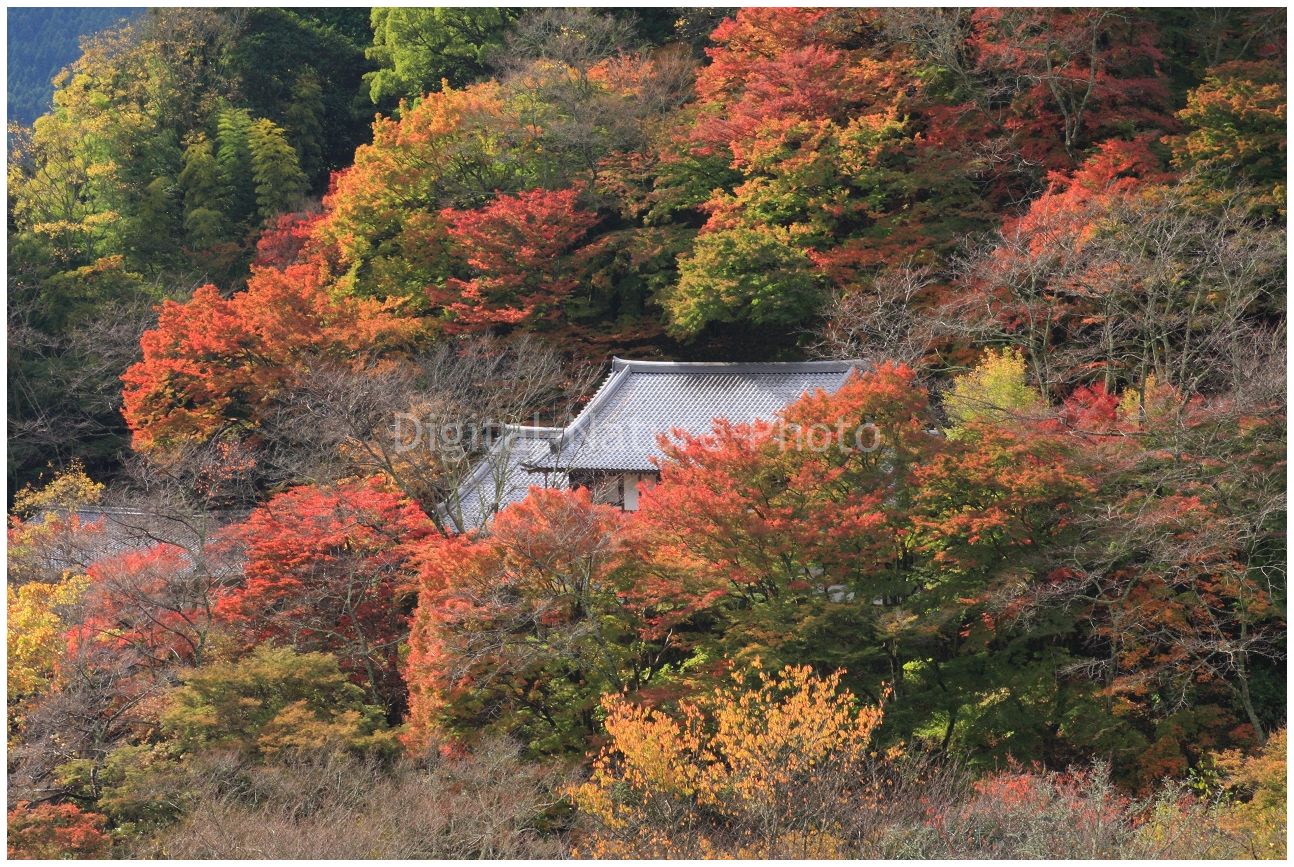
782 768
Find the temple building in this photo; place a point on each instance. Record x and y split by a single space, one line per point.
612 446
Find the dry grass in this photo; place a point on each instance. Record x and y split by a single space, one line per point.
495 805
1074 815
490 805
932 812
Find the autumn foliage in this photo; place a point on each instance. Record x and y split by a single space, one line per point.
274 702
737 771
214 364
1042 524
504 618
55 831
329 571
524 252
36 630
757 542
135 603
1087 72
1257 817
1237 115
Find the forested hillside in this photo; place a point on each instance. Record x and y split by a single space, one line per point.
43 41
245 244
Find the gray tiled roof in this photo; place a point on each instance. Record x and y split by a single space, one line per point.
501 478
618 428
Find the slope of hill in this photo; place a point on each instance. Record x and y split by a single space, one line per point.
279 279
43 41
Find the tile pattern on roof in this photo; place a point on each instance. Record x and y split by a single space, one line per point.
618 429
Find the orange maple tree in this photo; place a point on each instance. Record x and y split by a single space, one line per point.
215 363
887 549
506 617
56 831
149 606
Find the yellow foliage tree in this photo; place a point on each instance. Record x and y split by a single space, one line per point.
994 391
1153 403
68 489
1255 818
762 770
36 627
45 529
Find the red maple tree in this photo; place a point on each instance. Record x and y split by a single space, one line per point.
213 362
328 569
524 253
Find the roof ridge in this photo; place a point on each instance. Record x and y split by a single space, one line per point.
529 431
645 366
599 397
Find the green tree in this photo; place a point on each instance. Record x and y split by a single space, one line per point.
112 204
233 156
276 171
154 227
43 41
761 276
276 49
205 194
273 705
416 49
274 701
303 119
